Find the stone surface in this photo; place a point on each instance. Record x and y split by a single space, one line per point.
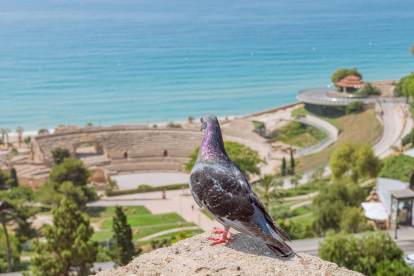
245 256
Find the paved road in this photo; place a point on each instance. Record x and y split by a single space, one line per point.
132 181
393 128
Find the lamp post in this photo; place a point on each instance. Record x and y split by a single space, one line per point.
396 224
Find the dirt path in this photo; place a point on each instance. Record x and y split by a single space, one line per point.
300 204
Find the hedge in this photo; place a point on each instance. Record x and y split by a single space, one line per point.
141 190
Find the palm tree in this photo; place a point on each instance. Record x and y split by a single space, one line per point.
269 188
6 132
190 119
412 50
20 132
5 212
3 132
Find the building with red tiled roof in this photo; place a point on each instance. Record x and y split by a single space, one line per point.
350 83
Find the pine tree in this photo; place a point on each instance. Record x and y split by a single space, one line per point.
283 167
68 179
292 161
59 155
68 246
13 178
125 249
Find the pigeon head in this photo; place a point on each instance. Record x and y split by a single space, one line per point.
212 146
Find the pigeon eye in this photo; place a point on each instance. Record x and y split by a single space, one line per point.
201 119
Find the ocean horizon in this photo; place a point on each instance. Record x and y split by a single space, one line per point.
145 62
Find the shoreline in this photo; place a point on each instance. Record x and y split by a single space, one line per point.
221 118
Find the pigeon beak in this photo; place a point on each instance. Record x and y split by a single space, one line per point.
203 126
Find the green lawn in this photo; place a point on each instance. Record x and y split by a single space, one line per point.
303 220
101 212
301 211
300 135
355 127
146 220
307 188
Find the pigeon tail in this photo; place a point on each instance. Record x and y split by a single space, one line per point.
281 252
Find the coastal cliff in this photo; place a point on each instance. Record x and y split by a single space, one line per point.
244 256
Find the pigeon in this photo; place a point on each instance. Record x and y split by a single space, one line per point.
218 185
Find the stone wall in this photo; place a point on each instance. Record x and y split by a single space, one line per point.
244 256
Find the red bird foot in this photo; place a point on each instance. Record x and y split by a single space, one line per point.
223 238
218 230
219 240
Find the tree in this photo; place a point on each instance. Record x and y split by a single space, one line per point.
13 181
89 125
4 180
43 131
357 159
6 213
68 179
397 167
294 180
67 247
59 155
352 220
124 248
5 132
329 205
244 157
18 198
411 50
27 140
190 119
364 254
343 72
404 86
283 168
292 161
20 132
269 188
369 89
394 267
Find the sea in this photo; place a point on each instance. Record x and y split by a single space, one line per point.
116 62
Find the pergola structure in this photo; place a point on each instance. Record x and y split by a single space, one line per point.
350 83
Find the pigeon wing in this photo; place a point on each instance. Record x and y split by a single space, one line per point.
229 197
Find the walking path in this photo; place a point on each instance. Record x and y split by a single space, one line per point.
168 232
300 204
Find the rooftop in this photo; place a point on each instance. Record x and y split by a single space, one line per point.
384 188
351 81
401 194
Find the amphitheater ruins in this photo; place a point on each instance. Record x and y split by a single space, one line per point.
133 149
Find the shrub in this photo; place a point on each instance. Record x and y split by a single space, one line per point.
354 106
147 189
369 89
398 167
363 254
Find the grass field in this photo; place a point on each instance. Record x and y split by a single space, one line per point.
360 127
146 220
301 211
300 135
304 220
307 188
101 212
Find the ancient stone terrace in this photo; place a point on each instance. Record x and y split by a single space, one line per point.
123 148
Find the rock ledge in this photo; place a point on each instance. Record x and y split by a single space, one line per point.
245 256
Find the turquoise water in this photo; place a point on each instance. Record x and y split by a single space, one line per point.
116 62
